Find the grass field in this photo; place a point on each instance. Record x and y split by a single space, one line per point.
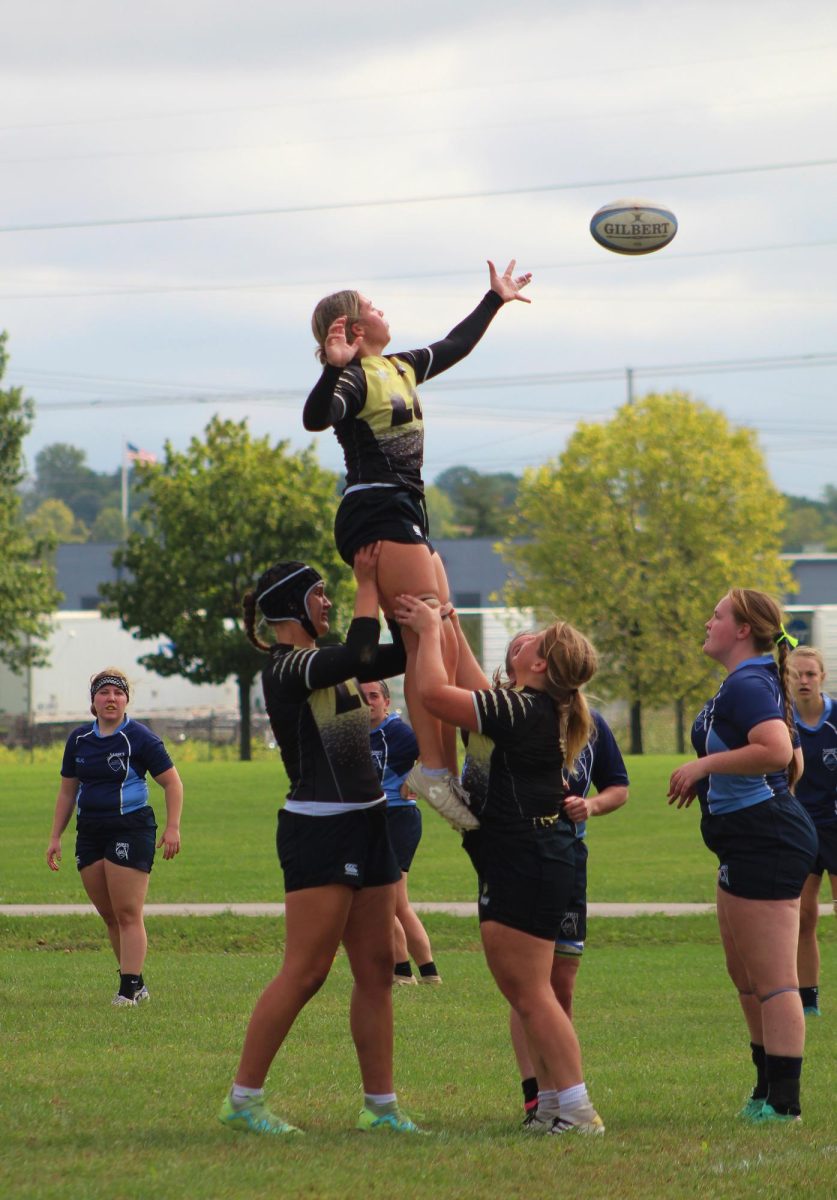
107 1103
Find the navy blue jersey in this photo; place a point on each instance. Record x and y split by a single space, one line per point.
394 752
750 695
525 778
111 769
816 788
374 407
600 765
320 717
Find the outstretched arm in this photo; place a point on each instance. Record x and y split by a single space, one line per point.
464 337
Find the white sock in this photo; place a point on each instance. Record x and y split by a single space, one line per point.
240 1095
436 772
548 1100
573 1097
384 1100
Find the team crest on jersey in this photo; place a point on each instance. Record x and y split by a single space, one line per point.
116 762
829 758
723 874
351 869
122 849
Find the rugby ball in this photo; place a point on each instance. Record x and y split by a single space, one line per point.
633 226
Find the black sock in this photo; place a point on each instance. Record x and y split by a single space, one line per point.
783 1076
530 1093
428 968
759 1057
810 996
128 985
403 968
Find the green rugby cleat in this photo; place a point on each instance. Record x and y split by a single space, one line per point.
394 1122
768 1115
751 1109
253 1116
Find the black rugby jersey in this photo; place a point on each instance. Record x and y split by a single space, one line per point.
525 767
320 718
375 409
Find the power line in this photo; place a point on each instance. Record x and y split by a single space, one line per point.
486 383
400 201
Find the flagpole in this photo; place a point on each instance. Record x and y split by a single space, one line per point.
124 487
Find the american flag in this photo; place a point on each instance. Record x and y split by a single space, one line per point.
134 454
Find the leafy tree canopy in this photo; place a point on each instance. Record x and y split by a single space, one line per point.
27 590
636 531
482 504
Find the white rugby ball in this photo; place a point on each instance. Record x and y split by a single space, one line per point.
633 226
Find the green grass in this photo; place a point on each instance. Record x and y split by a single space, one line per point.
646 851
111 1104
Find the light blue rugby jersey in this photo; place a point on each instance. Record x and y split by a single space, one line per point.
111 769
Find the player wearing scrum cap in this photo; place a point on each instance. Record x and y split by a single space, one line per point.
103 778
339 868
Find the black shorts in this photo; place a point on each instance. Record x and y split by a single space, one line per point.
570 941
351 848
826 859
127 840
404 821
525 876
380 514
765 852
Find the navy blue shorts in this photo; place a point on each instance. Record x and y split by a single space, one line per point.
351 848
404 821
570 941
826 859
380 514
525 877
127 840
765 852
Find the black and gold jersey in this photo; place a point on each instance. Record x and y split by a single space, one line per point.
374 406
515 769
320 718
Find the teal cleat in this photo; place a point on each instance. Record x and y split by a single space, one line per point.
394 1122
253 1117
751 1109
768 1115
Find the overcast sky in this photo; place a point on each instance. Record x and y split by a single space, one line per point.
393 148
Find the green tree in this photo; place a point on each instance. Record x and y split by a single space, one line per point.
637 530
108 526
440 513
218 515
482 504
54 520
62 473
27 585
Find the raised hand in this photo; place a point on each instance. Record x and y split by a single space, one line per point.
338 351
508 285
